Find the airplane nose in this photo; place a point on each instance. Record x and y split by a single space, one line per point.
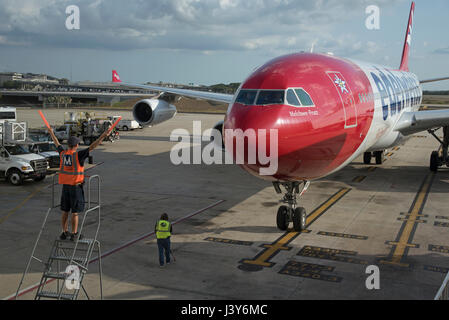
251 135
252 117
297 147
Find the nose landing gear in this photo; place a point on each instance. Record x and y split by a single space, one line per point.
440 157
289 212
378 155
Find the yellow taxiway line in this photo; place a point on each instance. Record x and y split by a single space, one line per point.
411 220
20 205
270 250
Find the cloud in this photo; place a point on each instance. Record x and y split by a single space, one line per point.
442 51
205 26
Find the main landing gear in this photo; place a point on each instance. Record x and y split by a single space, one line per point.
379 155
440 157
289 212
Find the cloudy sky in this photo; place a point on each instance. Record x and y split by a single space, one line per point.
212 41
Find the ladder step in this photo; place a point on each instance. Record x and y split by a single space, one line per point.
71 248
55 295
66 258
56 275
82 241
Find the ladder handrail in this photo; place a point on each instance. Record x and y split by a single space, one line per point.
53 191
90 209
94 177
32 253
443 292
97 177
91 245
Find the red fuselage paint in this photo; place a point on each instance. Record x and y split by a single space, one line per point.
313 141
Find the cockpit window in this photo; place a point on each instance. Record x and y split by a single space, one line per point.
270 97
292 99
246 97
304 98
296 97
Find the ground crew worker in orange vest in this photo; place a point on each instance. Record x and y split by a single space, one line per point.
163 231
71 176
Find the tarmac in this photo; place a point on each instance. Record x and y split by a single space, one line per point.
226 244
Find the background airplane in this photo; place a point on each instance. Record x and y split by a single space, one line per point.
327 110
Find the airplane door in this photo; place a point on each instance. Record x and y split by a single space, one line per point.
346 97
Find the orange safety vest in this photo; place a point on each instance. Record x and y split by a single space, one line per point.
70 170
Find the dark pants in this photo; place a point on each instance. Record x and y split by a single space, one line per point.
72 198
164 244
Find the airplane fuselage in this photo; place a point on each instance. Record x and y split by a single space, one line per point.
327 111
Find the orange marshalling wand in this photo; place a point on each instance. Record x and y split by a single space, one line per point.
45 120
113 126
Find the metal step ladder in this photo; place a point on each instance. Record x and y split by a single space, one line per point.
68 261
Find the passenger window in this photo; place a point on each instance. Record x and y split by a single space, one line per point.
304 98
270 97
292 99
246 97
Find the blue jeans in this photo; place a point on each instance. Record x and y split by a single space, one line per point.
164 244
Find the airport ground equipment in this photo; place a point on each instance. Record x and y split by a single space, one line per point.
87 130
8 114
126 124
68 261
38 135
67 130
16 163
48 150
12 132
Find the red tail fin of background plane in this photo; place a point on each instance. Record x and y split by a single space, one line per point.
408 40
115 76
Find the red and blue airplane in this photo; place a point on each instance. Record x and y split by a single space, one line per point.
327 110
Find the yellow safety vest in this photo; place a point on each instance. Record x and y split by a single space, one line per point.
163 229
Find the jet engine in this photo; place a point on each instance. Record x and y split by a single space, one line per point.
149 112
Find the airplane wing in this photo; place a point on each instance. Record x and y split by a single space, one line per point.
434 79
204 95
413 122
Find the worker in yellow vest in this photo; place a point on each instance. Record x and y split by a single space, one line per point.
71 176
163 229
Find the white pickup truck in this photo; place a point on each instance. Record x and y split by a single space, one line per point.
17 165
48 150
126 125
66 130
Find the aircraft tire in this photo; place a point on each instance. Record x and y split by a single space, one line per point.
282 218
299 219
434 161
367 157
379 157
